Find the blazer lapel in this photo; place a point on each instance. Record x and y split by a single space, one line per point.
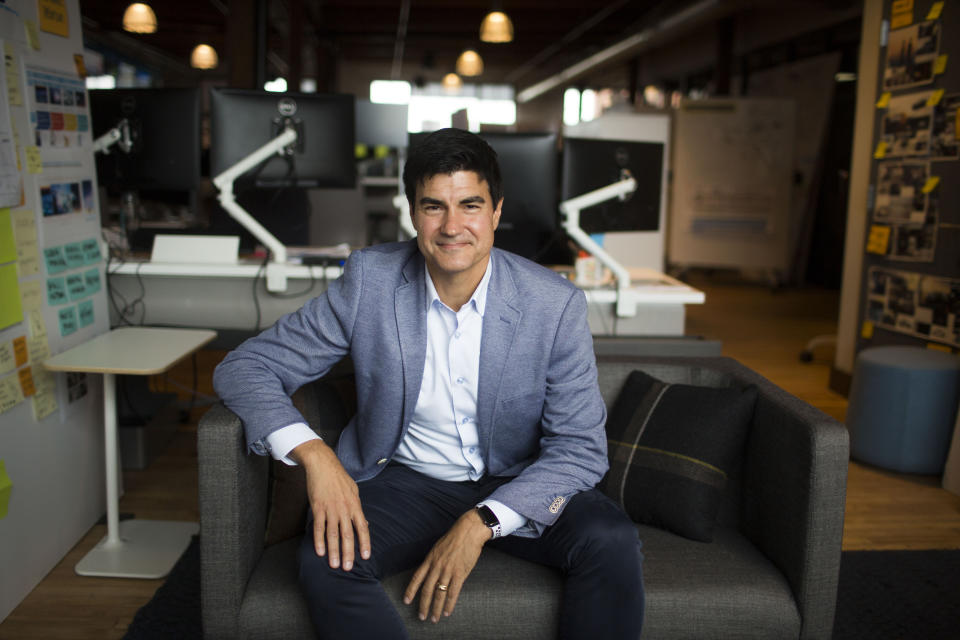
409 304
500 322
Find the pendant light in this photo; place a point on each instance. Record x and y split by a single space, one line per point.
469 63
139 18
452 82
496 27
204 57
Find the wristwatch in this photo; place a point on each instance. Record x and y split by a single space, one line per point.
490 519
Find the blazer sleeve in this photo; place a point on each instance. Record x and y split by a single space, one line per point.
573 441
256 379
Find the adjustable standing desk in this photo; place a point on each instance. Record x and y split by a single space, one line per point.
134 548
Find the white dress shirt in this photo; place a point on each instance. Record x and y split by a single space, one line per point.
442 440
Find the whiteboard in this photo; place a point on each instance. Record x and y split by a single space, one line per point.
732 183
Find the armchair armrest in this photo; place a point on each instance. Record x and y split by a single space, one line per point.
794 492
233 507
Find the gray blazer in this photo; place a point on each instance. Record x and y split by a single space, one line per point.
540 415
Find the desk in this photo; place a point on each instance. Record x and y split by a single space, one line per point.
221 297
134 548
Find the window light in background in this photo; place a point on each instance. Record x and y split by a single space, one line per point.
496 27
469 63
571 107
139 18
308 85
204 57
588 105
452 82
390 92
278 85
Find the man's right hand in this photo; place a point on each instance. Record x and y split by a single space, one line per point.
335 502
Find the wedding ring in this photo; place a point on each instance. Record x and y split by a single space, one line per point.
441 587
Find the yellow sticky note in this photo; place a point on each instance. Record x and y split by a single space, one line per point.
880 151
31 295
866 330
6 488
8 245
10 310
935 11
879 239
10 393
940 65
33 36
939 347
931 184
38 327
28 259
20 355
34 160
884 100
44 403
24 224
53 17
901 20
44 381
7 362
934 98
26 381
39 349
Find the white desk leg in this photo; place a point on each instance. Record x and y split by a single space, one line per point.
138 548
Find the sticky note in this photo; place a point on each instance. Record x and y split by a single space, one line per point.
931 184
26 382
68 321
57 292
44 403
934 98
10 310
935 10
10 393
866 330
900 6
880 151
28 258
31 295
34 159
939 347
901 19
92 280
79 63
76 287
91 251
940 65
20 355
884 100
38 327
24 225
56 261
85 313
38 347
43 380
879 239
73 253
33 36
6 488
8 245
7 361
53 17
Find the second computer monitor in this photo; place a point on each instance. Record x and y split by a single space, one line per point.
590 164
242 121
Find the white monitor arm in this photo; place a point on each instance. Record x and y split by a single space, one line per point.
404 221
571 223
119 135
277 266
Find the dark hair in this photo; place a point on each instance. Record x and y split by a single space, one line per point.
448 151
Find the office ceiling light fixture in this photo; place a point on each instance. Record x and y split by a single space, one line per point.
496 27
452 82
469 63
204 57
139 18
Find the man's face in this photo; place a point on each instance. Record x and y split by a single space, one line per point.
455 218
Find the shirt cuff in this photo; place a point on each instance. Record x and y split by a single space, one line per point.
509 519
284 440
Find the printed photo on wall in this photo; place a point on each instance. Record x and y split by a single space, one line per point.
907 125
919 305
944 144
900 196
911 54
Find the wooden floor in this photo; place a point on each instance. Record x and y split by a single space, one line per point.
765 330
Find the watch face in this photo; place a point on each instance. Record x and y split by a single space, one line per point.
488 517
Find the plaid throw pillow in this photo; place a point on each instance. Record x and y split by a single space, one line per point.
671 448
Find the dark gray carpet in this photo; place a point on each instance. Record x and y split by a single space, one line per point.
882 595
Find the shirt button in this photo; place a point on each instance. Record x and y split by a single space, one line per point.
456 334
461 380
473 449
382 461
465 421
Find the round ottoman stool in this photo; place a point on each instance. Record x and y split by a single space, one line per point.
903 401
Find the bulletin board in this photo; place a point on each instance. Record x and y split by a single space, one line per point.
732 184
911 277
52 295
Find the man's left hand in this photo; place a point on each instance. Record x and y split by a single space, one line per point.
446 567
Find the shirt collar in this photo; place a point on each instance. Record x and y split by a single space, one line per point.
479 297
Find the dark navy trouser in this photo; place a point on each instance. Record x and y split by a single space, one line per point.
593 543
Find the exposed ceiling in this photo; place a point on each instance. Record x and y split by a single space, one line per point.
424 36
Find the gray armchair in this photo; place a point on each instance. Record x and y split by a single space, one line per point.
771 571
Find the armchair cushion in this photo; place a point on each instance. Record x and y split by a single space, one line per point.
672 448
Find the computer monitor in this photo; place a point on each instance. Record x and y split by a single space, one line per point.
589 164
529 167
242 121
165 130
